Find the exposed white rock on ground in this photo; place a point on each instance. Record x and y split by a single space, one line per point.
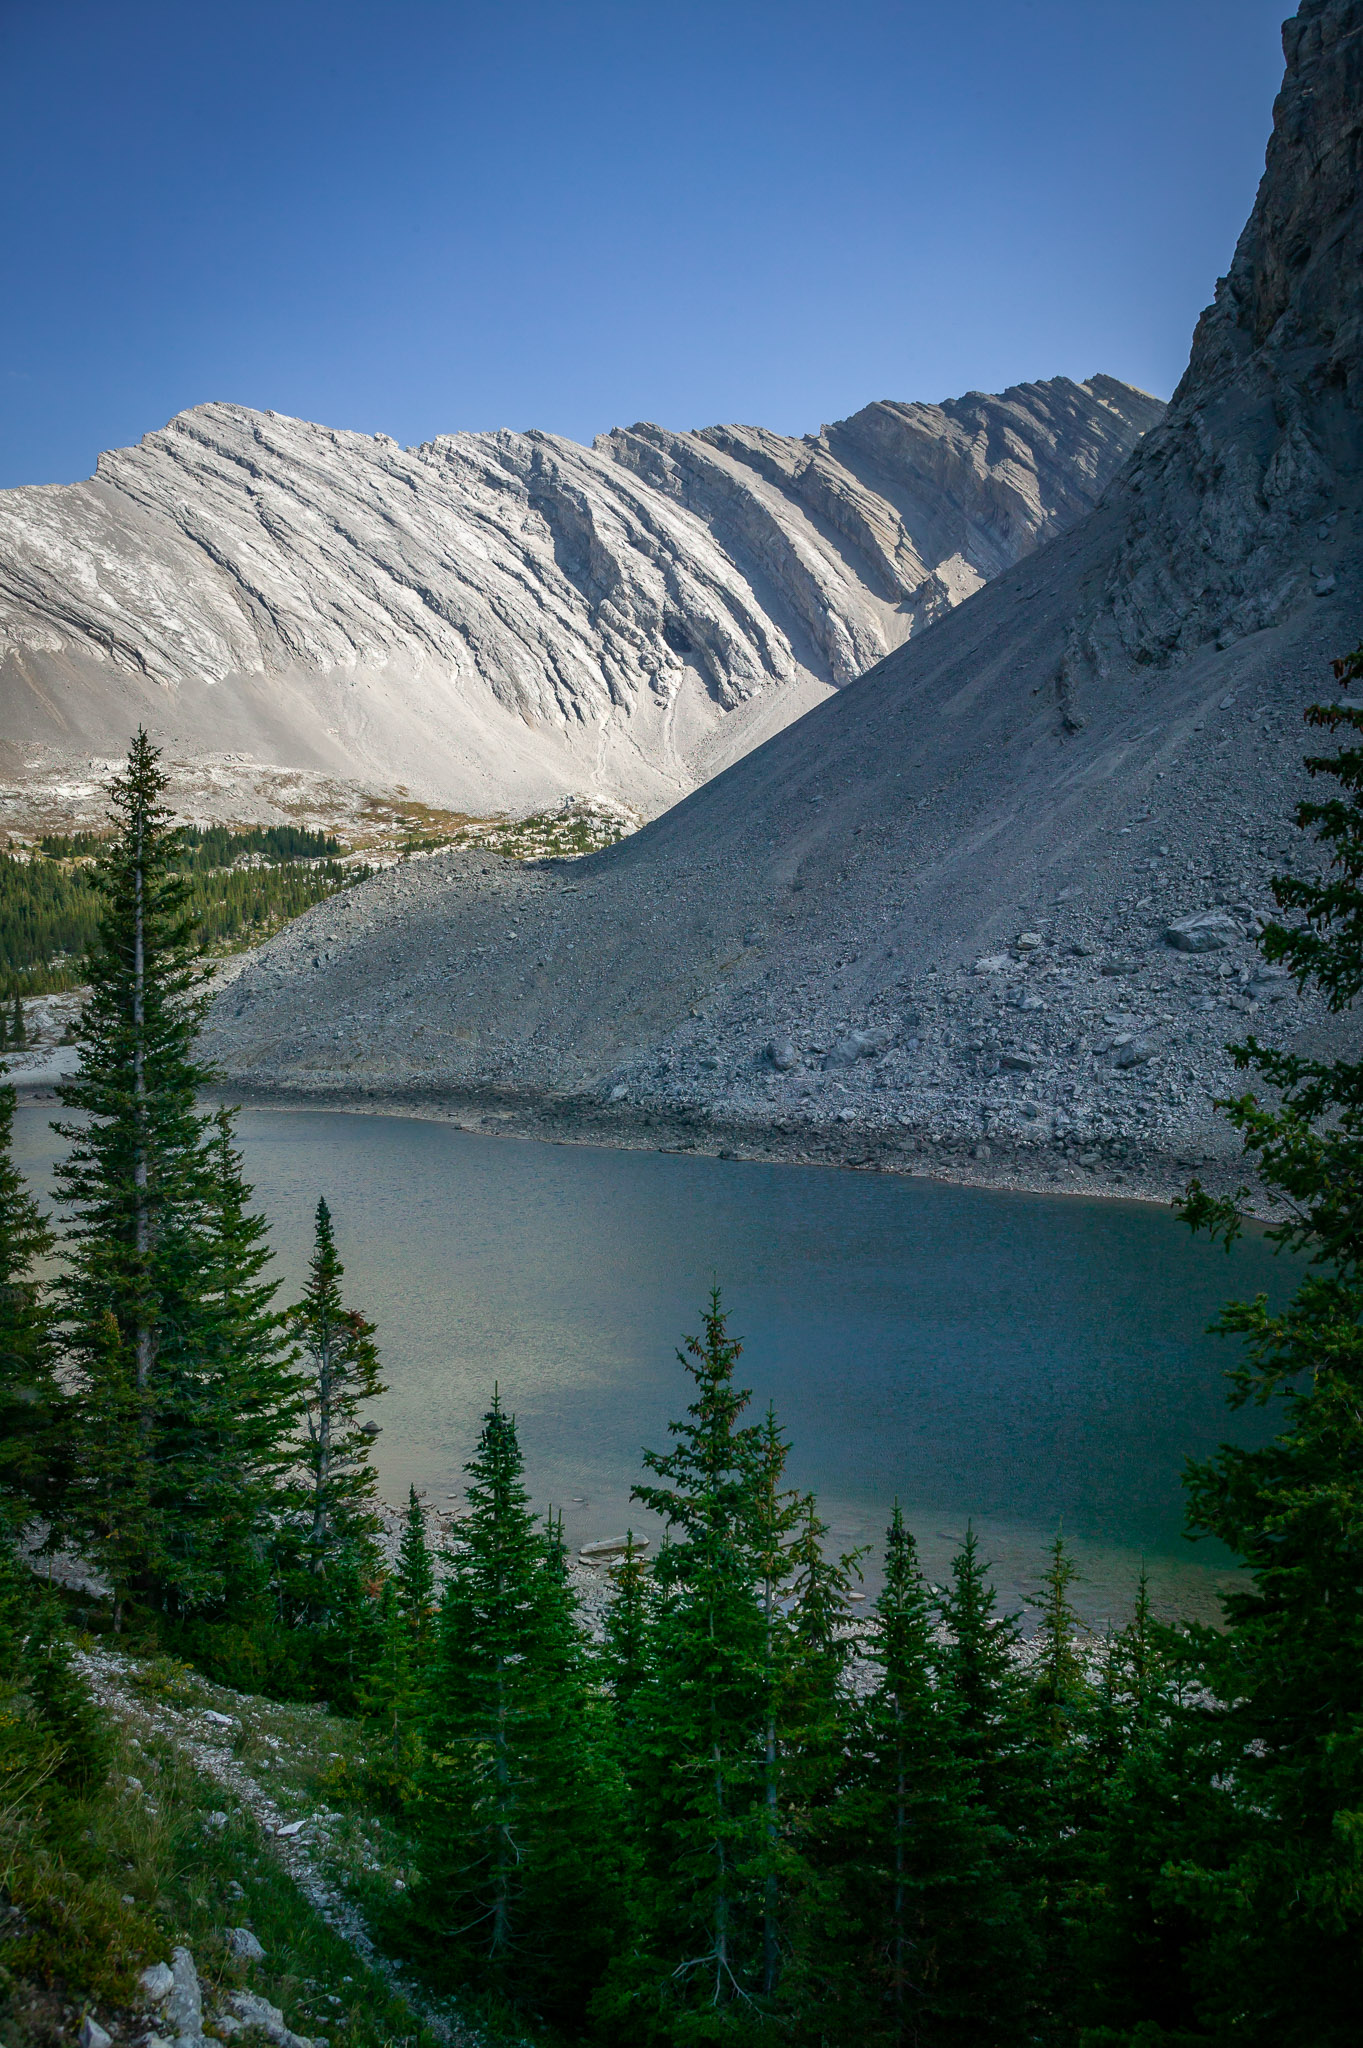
315 1845
494 620
1005 773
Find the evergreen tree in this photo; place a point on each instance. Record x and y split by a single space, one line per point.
518 1868
777 1512
50 1730
1066 1782
340 1371
917 1879
1287 1669
697 1968
625 1648
815 1729
238 1426
388 1700
1059 1679
33 1411
1153 1767
415 1588
981 1667
18 1032
995 1742
135 1182
624 1664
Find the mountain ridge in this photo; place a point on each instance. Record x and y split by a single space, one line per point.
928 926
496 620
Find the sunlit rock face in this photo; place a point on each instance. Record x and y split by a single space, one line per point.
496 619
1239 508
992 909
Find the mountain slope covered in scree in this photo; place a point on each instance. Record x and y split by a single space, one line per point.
930 921
495 620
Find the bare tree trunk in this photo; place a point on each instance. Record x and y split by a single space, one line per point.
322 1439
899 1879
141 1206
501 1909
721 1893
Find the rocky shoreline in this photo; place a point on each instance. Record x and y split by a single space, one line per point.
1112 1166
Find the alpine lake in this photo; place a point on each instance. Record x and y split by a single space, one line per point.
1025 1362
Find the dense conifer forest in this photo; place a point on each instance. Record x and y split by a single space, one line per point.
245 882
745 1810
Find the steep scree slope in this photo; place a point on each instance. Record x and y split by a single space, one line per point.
929 920
497 619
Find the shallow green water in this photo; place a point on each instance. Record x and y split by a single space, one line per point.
1012 1358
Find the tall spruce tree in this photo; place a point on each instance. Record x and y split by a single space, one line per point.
415 1580
981 1667
625 1644
135 1183
340 1371
1063 1706
249 1395
777 1513
698 1963
1154 1768
915 1877
34 1448
1060 1691
995 1741
1287 1668
518 1860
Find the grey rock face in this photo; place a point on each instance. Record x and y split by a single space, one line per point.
495 619
248 2009
183 2013
1206 932
1233 510
158 1982
893 846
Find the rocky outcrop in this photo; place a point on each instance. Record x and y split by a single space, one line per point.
942 920
1238 506
494 620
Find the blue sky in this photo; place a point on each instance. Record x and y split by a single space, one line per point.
424 215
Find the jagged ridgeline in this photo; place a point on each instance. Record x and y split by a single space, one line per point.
945 907
244 883
496 621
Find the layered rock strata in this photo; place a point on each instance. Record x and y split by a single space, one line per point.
495 620
930 924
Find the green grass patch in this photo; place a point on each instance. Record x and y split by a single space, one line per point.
99 1883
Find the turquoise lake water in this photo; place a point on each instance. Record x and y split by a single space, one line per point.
1022 1360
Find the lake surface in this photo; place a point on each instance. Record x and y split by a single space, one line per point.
1022 1360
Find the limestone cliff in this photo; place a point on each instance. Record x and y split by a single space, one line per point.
1236 508
931 921
496 619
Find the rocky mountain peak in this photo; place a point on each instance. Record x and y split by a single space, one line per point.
497 620
1240 504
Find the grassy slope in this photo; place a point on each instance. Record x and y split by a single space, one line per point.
97 1886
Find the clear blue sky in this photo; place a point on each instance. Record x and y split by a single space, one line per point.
422 215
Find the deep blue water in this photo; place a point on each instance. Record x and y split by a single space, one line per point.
1025 1360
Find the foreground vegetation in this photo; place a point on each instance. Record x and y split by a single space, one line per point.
115 1848
740 1815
